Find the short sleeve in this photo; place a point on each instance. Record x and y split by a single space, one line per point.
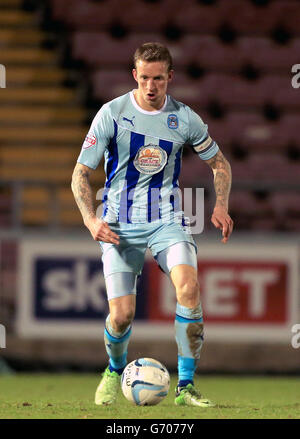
199 138
97 139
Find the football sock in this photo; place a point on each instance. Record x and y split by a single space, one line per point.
184 383
189 338
116 345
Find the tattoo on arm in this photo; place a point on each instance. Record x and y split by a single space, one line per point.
83 192
222 178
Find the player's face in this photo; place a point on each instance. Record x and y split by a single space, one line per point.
153 79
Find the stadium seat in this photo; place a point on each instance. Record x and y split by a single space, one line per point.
286 97
235 92
39 115
251 130
14 19
248 18
99 49
286 203
27 56
194 172
193 17
210 53
84 15
13 37
43 135
274 168
248 211
139 16
268 56
289 127
287 14
38 95
20 76
243 202
242 171
267 224
35 155
108 84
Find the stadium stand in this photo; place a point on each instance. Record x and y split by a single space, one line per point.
232 65
42 125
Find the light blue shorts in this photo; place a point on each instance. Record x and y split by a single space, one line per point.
124 262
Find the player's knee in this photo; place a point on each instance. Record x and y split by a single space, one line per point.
121 319
188 293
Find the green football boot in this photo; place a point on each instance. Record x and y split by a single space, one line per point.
106 393
189 396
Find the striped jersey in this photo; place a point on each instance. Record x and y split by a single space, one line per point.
142 156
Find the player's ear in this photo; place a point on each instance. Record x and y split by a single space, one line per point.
170 75
134 74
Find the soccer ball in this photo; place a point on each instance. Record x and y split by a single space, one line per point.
145 381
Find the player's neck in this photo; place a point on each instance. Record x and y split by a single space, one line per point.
144 105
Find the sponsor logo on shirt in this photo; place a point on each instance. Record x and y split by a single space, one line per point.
172 121
150 159
89 141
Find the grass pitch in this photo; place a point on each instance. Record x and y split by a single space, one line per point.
70 396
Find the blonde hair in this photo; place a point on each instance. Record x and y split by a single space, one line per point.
152 52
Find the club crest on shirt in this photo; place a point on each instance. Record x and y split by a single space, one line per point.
172 121
150 159
89 141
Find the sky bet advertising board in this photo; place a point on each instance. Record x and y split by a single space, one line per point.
246 291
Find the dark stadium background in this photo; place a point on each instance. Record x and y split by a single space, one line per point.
233 65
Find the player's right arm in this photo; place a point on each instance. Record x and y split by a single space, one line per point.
82 192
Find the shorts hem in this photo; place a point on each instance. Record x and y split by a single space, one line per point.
173 243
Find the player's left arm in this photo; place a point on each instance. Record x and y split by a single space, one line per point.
222 182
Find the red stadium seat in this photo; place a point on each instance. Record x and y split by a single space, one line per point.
198 18
108 84
209 52
268 56
248 18
249 212
289 128
241 171
83 14
100 49
286 203
139 16
243 201
194 171
287 14
275 168
254 132
235 91
266 224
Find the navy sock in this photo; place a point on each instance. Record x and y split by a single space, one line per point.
184 383
112 369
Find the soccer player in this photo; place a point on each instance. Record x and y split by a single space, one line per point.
141 135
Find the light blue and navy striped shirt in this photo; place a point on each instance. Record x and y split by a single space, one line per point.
143 152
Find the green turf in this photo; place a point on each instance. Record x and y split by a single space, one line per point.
60 396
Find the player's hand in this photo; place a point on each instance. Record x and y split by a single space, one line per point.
221 220
101 231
